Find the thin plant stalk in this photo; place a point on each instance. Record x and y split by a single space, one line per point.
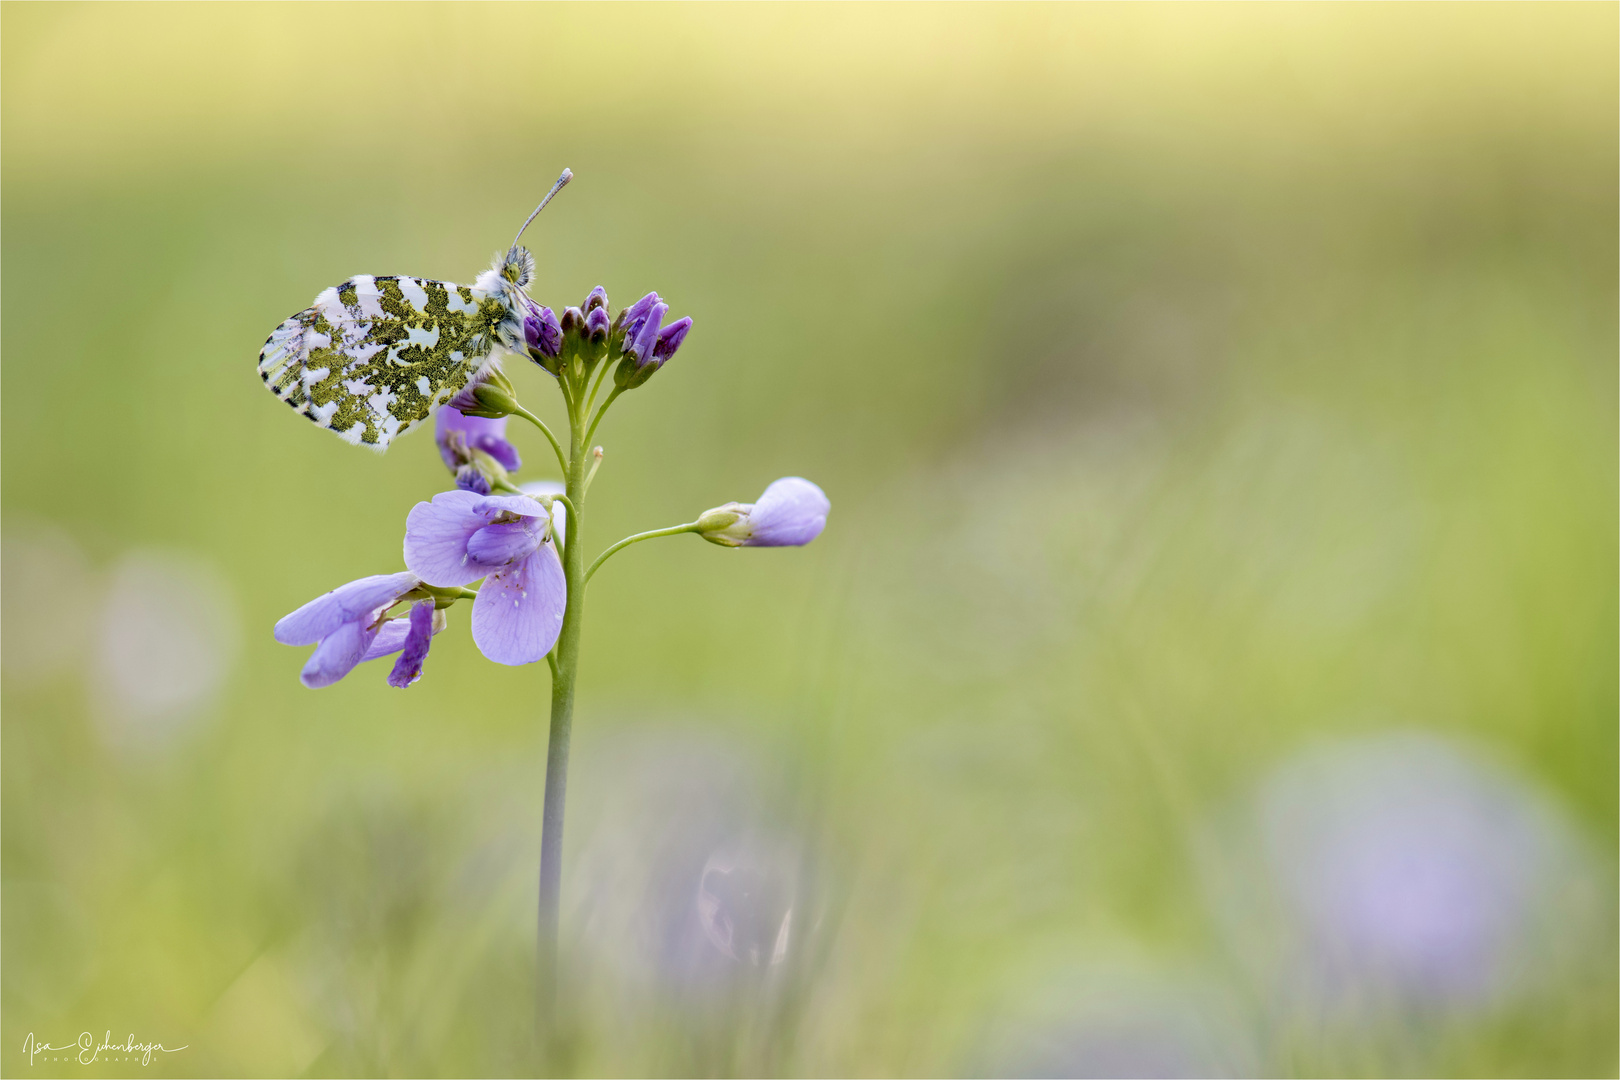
564 677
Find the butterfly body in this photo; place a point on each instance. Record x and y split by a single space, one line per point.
375 356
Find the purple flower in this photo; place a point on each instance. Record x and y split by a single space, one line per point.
345 626
646 343
460 435
597 300
1410 869
460 537
791 513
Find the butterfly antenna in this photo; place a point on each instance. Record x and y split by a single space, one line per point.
567 175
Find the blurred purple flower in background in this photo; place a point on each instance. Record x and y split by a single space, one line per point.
1115 1016
460 537
1414 870
691 890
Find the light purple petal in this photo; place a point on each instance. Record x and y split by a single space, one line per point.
473 427
559 512
408 668
792 511
337 654
507 542
519 610
391 638
511 504
436 537
324 614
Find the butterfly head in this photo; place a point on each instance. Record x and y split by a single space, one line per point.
517 266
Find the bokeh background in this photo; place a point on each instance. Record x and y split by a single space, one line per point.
1209 667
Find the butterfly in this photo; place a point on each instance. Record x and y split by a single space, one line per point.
375 356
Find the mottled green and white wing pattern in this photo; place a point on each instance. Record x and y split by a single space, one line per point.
375 356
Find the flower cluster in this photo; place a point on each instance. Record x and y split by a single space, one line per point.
510 541
583 337
512 538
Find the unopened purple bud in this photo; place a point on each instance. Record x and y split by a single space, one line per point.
597 300
670 338
573 320
640 339
596 323
541 330
637 311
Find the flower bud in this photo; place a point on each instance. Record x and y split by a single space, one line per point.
725 525
544 337
640 340
596 332
491 398
596 300
632 315
791 513
576 342
670 338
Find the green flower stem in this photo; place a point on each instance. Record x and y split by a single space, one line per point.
673 530
555 445
565 672
601 377
617 390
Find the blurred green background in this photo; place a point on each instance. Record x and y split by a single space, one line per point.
1209 666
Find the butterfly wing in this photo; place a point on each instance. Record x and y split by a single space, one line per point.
375 356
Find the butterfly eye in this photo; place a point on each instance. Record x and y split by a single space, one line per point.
518 266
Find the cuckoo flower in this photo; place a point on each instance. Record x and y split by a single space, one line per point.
461 536
646 345
791 513
346 627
